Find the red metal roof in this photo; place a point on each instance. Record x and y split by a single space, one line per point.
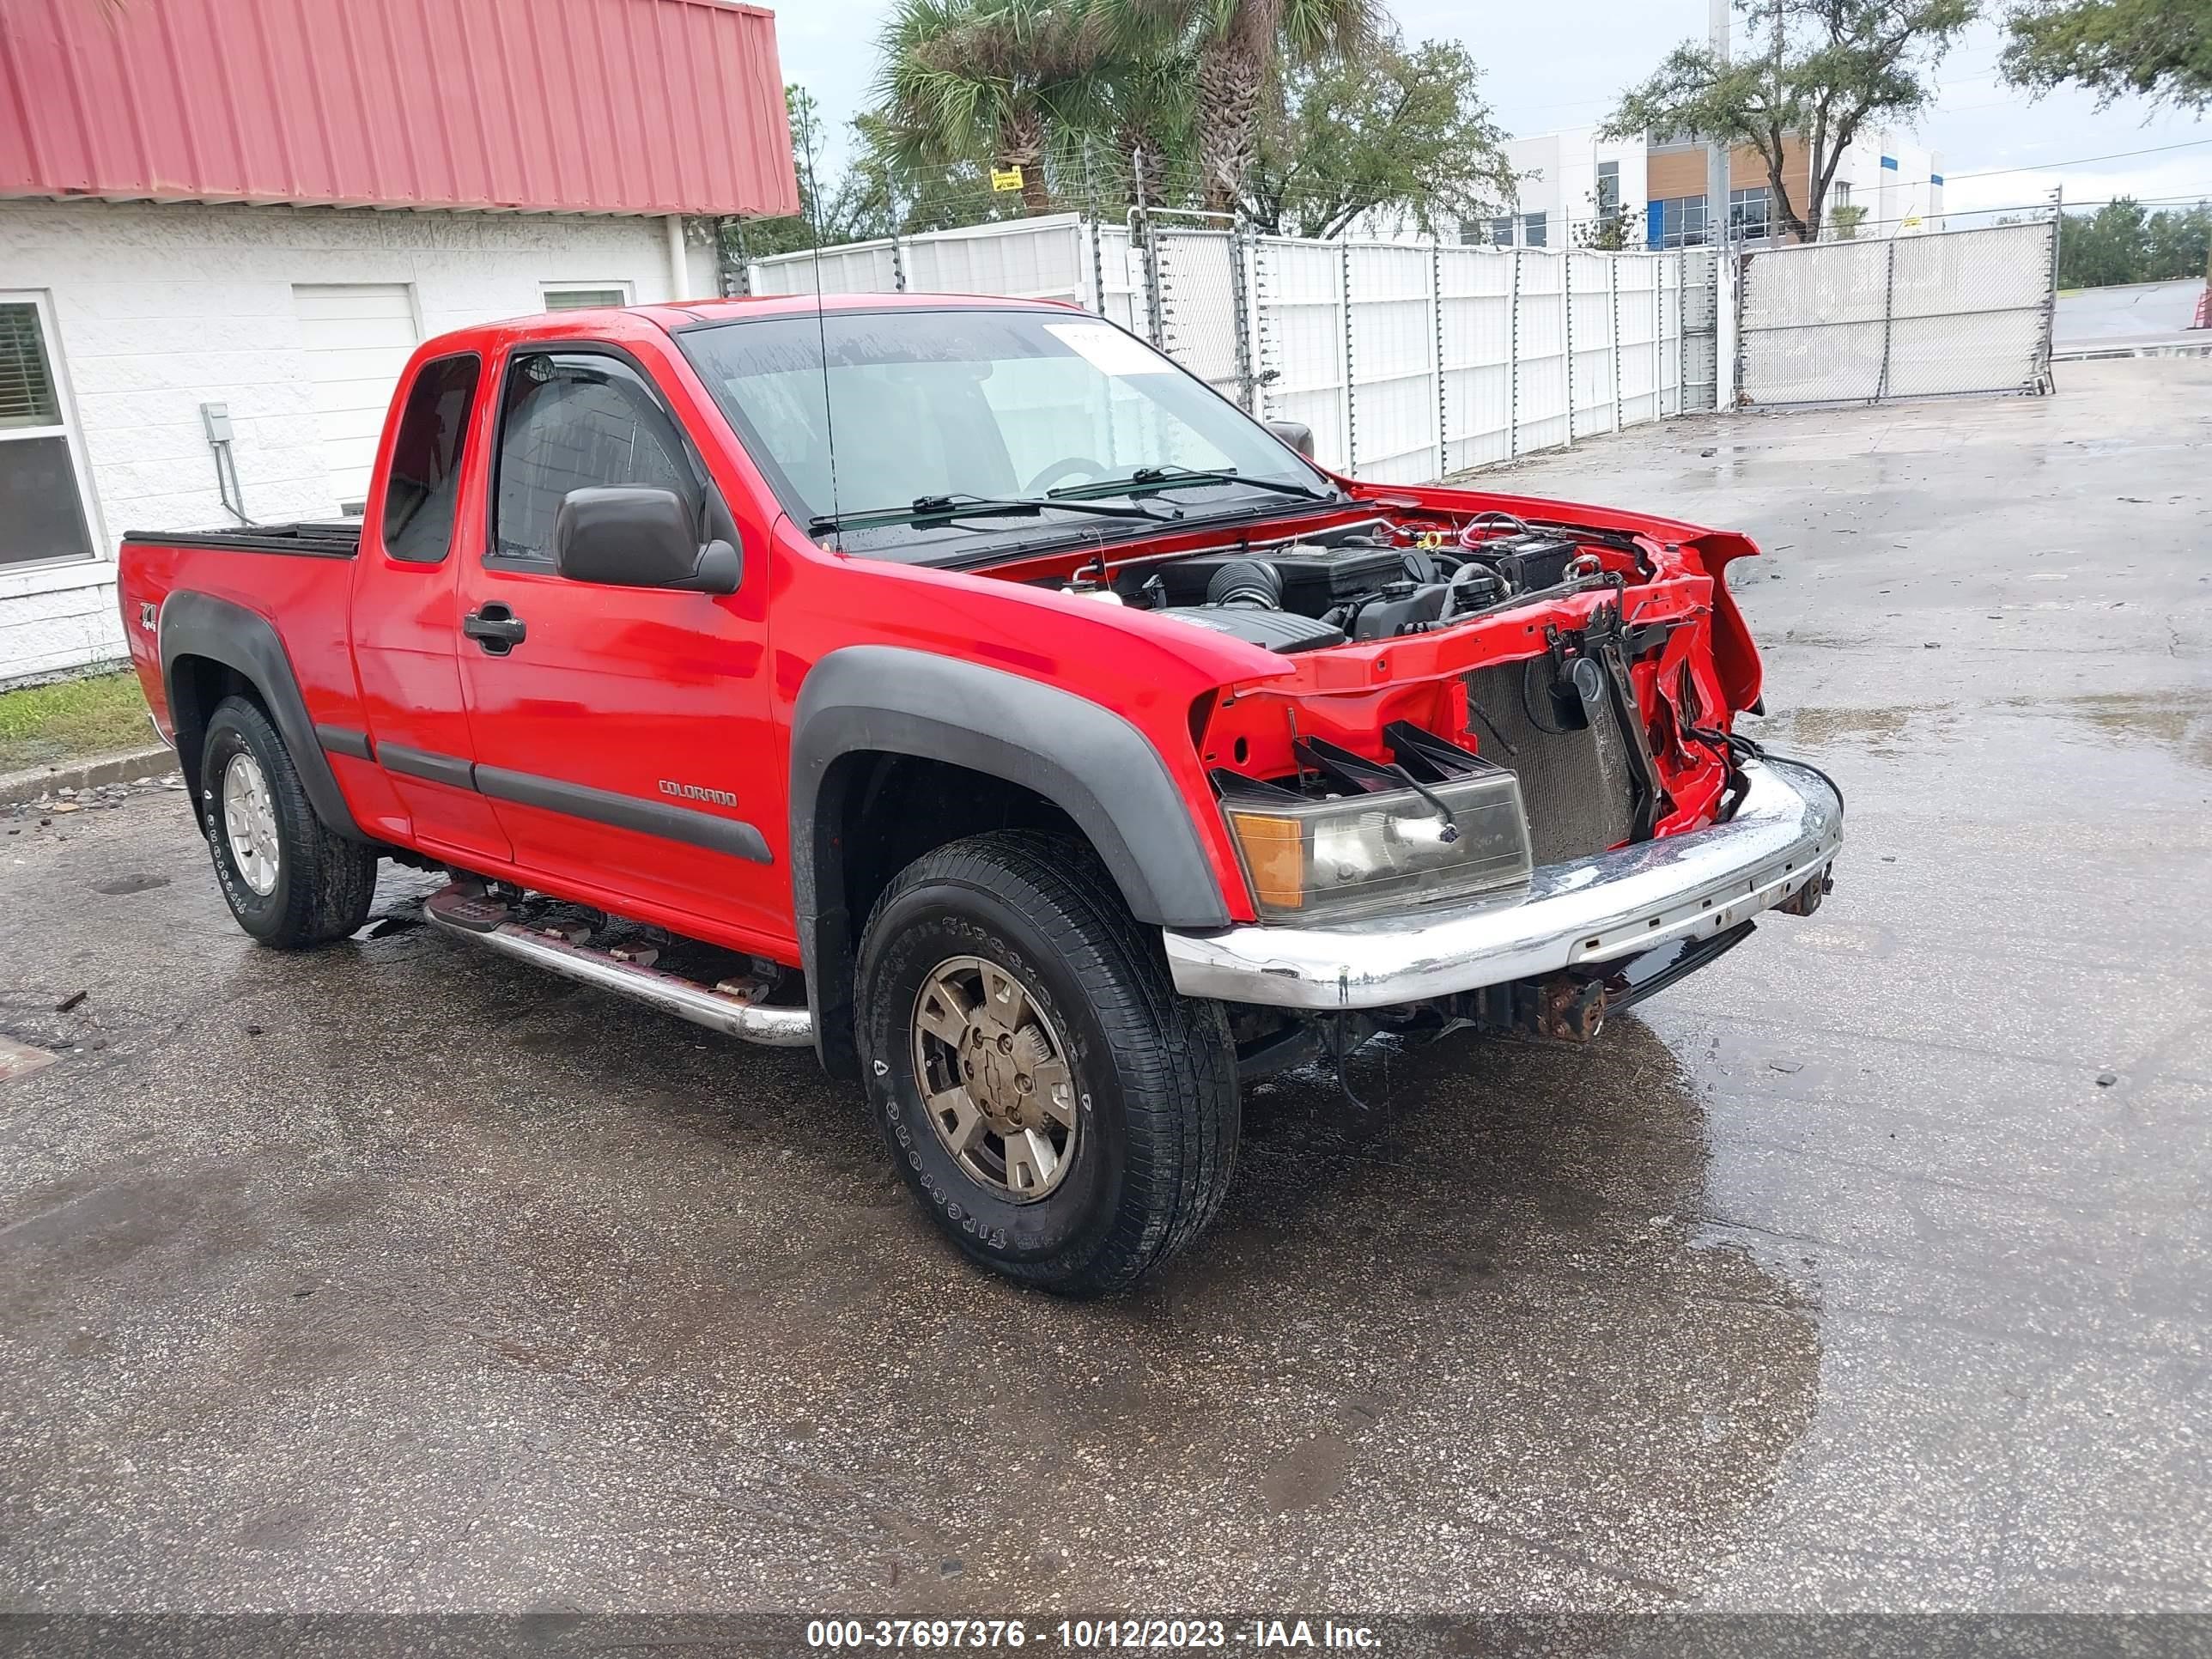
562 106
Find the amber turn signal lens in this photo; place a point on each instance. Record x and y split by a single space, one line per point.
1274 857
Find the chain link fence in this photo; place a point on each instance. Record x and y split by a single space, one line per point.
1203 311
1960 311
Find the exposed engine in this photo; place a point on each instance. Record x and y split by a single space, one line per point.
1375 581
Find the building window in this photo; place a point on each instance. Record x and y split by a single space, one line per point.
1533 231
1751 213
43 514
583 299
1609 189
1682 222
1501 232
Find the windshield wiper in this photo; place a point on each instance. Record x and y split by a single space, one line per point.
1173 477
947 508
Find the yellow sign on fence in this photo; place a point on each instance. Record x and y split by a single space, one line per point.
1006 177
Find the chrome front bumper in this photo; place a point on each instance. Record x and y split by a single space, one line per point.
1785 834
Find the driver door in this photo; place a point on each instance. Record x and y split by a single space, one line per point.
624 734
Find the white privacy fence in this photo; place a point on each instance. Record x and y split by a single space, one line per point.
1407 361
1410 362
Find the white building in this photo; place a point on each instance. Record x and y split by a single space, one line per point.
1570 178
1574 178
216 298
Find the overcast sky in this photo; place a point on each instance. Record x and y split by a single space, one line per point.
1563 63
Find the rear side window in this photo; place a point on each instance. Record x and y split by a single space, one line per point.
426 460
577 421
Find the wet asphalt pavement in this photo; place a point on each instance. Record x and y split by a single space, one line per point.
399 1277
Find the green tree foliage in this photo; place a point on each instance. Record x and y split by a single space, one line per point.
869 198
1086 95
2121 242
1610 229
1239 50
2161 49
1148 103
1390 131
1834 69
963 79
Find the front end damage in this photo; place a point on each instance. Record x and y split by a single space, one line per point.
1522 814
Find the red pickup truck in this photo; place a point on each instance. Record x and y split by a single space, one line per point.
958 686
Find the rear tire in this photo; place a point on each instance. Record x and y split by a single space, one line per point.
1132 1161
287 880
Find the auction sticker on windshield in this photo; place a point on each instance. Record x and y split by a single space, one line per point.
1106 347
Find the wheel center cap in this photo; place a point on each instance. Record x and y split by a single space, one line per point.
988 1064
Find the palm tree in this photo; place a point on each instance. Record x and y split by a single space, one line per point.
1240 46
1147 110
995 78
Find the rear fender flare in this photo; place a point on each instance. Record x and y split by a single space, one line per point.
1089 762
201 625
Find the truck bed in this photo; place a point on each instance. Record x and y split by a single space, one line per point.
332 538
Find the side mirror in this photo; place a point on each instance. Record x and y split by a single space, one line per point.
636 537
1296 434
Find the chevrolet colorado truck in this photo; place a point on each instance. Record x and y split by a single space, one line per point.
960 688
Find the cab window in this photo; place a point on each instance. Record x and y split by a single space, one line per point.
574 421
427 454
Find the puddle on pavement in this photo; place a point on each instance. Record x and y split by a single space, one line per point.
1486 1302
21 1059
1876 731
2180 720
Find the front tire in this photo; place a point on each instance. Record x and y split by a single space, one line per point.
287 880
1063 1115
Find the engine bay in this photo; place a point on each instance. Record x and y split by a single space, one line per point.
1378 579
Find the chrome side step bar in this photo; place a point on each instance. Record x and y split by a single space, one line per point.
466 917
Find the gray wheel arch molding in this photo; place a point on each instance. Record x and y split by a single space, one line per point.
202 625
1089 762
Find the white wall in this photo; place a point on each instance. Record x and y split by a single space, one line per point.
1407 361
161 308
1893 195
1559 178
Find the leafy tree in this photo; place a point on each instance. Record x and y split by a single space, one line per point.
865 202
1148 117
1609 229
1836 66
2179 244
1239 49
2160 48
964 79
1387 130
2122 242
1845 220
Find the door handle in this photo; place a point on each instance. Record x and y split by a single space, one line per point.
495 628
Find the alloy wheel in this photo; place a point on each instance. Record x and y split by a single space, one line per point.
994 1078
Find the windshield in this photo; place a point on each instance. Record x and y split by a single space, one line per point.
1005 405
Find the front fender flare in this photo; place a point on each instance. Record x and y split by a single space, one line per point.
1089 762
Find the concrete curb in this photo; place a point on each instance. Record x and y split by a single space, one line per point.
18 787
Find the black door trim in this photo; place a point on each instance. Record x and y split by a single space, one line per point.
344 740
449 769
646 817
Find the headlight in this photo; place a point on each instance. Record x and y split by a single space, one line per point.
1325 859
